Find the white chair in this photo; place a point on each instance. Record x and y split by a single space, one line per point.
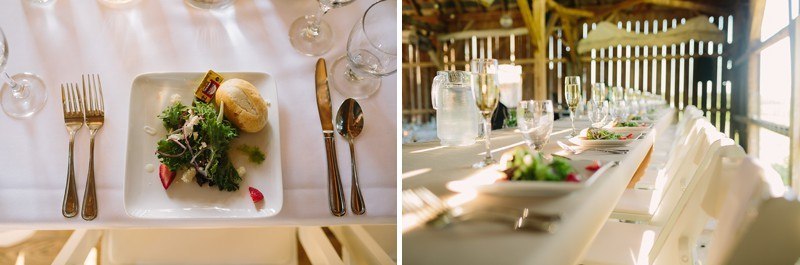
267 245
642 205
729 190
367 244
666 149
757 222
9 238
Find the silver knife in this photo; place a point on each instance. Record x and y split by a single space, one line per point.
335 192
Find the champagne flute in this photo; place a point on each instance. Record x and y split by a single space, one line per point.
535 122
572 94
22 94
486 90
599 92
310 35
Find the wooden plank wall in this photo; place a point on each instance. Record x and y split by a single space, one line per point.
693 73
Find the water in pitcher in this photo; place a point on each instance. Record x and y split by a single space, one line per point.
457 118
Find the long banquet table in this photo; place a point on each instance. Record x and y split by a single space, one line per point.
63 40
583 212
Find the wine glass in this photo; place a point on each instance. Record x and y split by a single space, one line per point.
22 94
619 111
535 122
310 35
486 90
599 92
572 94
615 94
371 52
598 112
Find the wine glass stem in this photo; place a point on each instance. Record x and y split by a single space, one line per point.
16 89
352 75
572 120
314 28
487 131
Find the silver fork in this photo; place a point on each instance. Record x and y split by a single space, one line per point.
428 207
95 113
72 104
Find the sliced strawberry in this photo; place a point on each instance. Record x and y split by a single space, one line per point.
256 195
629 136
166 175
594 166
572 177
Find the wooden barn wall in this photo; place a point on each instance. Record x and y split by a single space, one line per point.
693 73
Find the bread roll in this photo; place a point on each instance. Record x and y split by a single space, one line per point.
243 106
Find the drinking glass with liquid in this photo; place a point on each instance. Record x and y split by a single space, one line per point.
456 112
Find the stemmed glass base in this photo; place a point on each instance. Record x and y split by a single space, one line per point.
26 101
484 163
307 41
349 83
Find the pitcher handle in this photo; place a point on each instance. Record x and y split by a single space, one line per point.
435 91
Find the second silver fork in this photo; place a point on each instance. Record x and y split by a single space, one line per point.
95 116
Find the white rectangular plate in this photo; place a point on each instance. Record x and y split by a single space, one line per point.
144 195
547 188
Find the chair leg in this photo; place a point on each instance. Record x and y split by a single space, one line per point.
78 246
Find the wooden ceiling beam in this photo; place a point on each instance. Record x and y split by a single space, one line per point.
566 11
681 4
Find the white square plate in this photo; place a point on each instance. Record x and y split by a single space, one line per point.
144 195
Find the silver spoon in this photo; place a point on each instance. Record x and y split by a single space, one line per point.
349 122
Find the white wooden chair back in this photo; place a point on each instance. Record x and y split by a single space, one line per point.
683 144
684 223
694 164
756 224
361 247
683 152
689 113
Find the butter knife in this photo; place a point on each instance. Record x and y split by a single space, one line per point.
335 192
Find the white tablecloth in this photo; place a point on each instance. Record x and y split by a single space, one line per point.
583 212
69 38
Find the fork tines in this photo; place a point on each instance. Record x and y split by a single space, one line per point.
93 91
71 100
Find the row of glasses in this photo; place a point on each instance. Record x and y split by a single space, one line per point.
371 46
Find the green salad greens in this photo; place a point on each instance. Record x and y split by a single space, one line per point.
199 138
601 134
636 118
627 124
255 154
523 165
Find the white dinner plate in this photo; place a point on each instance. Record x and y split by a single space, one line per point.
547 188
144 195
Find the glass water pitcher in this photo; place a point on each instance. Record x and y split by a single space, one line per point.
457 120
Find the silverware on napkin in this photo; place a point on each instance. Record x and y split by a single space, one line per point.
335 192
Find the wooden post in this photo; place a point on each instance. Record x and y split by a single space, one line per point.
753 67
540 68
